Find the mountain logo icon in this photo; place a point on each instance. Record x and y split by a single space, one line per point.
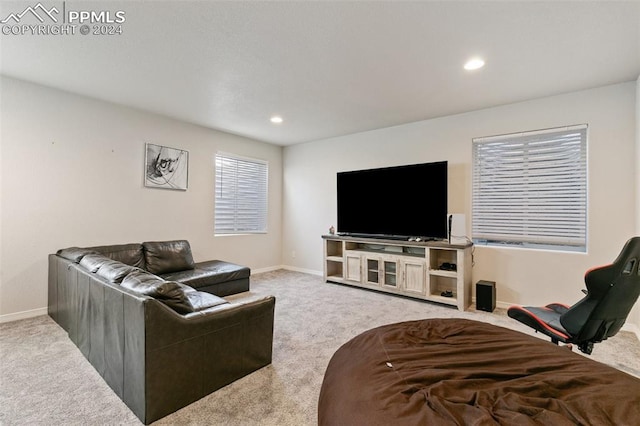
39 11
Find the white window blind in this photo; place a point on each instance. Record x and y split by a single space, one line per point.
240 195
530 188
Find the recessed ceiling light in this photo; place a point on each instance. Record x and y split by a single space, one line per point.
474 64
276 119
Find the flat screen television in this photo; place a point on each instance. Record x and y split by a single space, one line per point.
394 202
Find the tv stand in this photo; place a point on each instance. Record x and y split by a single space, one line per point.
429 270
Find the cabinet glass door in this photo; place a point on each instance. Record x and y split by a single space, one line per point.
390 269
373 271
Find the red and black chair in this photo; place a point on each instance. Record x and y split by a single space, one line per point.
611 292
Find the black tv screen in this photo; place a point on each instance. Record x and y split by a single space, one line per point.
403 201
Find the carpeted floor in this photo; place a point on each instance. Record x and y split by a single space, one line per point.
45 380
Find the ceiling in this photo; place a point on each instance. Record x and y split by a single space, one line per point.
329 68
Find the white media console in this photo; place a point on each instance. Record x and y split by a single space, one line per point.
418 269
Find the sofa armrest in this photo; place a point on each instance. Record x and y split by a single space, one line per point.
188 357
231 306
165 326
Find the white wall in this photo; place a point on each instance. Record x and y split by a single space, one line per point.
637 181
72 175
638 156
522 276
634 317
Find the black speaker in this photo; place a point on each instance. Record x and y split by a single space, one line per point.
486 296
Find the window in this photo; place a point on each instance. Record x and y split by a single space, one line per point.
240 195
530 189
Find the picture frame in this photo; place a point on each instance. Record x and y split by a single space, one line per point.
166 167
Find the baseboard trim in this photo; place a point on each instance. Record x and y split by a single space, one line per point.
502 305
304 271
632 328
16 316
263 270
288 268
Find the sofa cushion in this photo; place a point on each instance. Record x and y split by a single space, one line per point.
209 273
167 256
93 262
130 254
74 254
201 300
114 271
170 293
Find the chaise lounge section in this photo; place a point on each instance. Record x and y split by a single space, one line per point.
159 343
173 261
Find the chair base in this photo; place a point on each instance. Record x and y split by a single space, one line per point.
586 347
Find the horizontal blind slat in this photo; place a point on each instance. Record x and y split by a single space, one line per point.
531 187
241 195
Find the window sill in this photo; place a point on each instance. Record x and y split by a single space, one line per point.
531 246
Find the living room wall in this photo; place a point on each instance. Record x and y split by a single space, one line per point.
638 158
72 175
522 276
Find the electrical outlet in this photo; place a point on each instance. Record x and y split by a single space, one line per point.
293 254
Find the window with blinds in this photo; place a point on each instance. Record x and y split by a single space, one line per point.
240 195
530 189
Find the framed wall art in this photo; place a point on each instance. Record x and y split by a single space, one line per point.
166 167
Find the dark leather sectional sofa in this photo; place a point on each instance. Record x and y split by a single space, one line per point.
139 314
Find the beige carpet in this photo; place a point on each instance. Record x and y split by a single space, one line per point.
45 380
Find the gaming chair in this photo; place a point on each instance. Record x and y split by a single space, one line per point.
611 292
